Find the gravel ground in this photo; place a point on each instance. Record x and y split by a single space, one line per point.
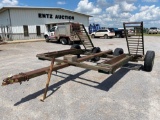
76 93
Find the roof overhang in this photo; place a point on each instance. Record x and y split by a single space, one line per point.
48 8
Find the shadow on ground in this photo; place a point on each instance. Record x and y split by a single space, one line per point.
53 88
106 85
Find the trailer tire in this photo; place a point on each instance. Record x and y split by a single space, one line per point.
76 46
63 41
118 51
96 50
149 61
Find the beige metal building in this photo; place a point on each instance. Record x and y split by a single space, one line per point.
20 23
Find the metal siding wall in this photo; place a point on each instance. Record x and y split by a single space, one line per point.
4 18
17 29
18 33
32 28
43 28
30 17
31 36
5 29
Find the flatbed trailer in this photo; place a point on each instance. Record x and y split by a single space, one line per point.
75 56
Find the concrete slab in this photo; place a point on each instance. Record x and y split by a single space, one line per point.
76 93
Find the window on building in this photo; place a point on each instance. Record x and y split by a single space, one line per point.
38 30
48 26
25 28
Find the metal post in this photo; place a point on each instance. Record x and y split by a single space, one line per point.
48 80
126 35
142 36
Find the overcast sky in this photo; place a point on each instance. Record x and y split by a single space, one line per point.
108 13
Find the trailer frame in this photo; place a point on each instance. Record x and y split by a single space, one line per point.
75 56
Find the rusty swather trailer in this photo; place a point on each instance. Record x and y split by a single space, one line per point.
75 56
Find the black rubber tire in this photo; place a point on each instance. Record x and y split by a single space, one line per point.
76 46
47 38
96 50
69 42
92 36
118 51
63 41
149 61
105 36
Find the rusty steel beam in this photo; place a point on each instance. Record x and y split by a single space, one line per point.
31 74
132 22
120 63
60 53
88 57
28 75
49 78
114 60
84 65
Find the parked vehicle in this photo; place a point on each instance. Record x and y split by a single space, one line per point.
61 32
153 30
106 33
93 28
158 30
131 32
119 33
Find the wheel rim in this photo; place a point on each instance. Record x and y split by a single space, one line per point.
62 42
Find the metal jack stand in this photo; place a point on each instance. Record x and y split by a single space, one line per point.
48 80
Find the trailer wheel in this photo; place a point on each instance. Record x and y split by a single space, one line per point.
76 46
118 51
149 61
63 41
96 50
106 36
